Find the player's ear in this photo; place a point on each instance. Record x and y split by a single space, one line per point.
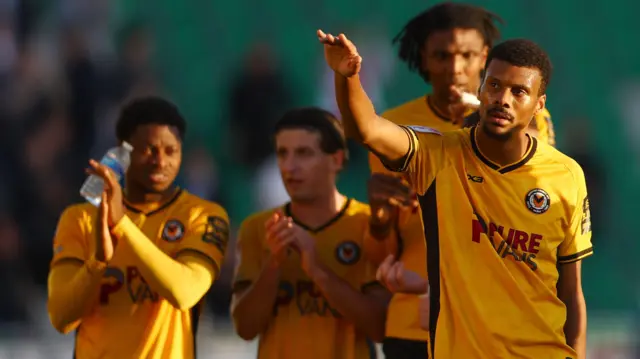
542 101
338 160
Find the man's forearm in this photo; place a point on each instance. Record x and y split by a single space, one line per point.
252 308
385 139
367 313
575 329
182 284
73 291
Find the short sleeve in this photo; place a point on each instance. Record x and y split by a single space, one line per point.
426 157
577 243
248 253
208 234
69 241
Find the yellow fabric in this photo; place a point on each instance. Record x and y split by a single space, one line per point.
402 320
495 277
304 324
150 295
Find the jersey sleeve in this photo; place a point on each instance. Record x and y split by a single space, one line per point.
577 243
248 254
208 235
425 158
69 240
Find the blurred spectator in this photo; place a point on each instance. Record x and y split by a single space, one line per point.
259 96
15 283
200 174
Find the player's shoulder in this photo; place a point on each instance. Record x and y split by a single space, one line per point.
398 114
563 162
194 204
257 219
358 208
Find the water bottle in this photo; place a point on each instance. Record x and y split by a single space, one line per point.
118 159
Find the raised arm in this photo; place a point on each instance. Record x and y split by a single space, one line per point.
387 140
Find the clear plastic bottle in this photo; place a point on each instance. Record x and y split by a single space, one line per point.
118 159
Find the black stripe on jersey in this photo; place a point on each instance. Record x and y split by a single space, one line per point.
202 255
531 151
159 209
428 204
287 212
366 286
575 257
373 354
406 159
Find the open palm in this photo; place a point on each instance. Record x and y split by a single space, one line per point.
340 53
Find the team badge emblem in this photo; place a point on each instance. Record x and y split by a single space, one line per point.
348 252
537 201
173 231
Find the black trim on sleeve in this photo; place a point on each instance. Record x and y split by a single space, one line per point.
373 283
406 159
576 256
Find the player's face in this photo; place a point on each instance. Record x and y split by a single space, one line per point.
156 157
509 99
454 58
307 172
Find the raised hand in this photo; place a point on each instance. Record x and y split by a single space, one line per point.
397 279
105 246
340 53
112 189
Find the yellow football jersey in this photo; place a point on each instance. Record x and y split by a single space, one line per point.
130 320
495 236
303 323
401 315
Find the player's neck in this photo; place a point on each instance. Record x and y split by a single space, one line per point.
439 105
320 211
503 152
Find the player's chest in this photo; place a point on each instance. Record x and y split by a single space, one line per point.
516 209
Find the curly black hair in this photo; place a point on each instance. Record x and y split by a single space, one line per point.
524 53
445 16
148 110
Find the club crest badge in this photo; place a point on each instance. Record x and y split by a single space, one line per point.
348 252
537 201
173 231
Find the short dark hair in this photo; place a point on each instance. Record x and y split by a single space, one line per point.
148 110
332 138
445 16
524 53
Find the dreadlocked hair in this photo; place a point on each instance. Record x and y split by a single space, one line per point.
444 16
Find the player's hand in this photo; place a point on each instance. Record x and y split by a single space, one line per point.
397 279
113 190
424 310
303 243
341 54
278 238
387 194
105 246
459 105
